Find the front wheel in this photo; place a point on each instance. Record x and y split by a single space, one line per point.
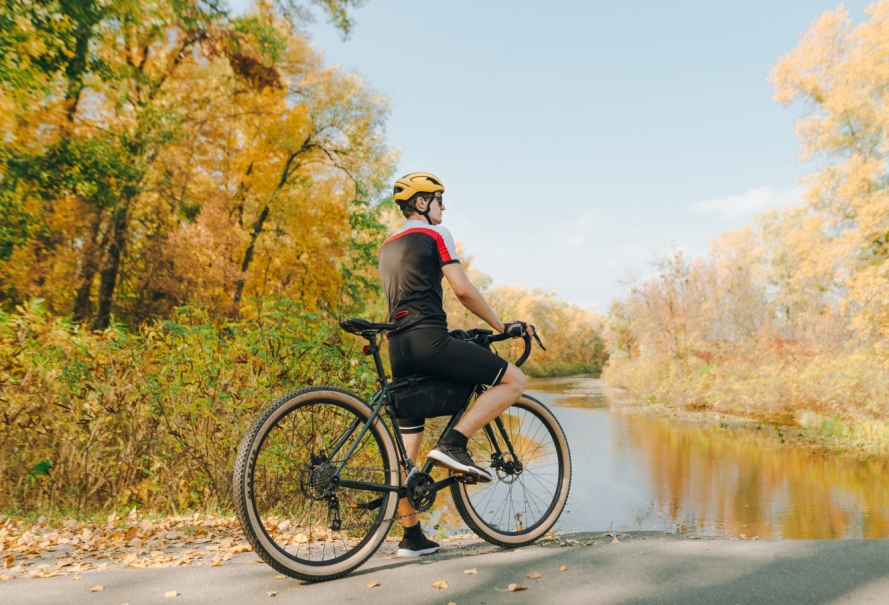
288 497
531 478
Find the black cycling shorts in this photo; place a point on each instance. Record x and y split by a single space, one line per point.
432 350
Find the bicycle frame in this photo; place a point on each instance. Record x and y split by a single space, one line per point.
383 398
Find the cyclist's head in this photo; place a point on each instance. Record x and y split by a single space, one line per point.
420 193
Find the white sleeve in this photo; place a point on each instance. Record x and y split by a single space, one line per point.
446 248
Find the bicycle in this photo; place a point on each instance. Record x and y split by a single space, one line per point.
319 473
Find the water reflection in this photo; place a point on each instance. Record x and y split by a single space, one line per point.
713 481
632 472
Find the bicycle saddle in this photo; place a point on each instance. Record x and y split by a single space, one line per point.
354 325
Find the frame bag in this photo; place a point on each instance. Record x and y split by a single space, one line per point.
430 396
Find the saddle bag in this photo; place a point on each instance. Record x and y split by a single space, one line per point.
429 396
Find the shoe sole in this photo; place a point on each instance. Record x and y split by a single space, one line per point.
451 464
404 553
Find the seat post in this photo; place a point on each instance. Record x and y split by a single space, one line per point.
374 350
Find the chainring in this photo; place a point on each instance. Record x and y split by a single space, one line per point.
418 502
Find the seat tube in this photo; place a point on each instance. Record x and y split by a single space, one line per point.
378 361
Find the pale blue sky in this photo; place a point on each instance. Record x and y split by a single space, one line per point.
576 139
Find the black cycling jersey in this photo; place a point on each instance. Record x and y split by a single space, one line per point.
410 269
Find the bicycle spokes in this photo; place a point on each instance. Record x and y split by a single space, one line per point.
296 489
524 456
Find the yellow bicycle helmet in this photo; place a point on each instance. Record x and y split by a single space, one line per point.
417 182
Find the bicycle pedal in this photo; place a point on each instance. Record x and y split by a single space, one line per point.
466 478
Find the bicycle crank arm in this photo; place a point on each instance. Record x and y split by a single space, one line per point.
432 488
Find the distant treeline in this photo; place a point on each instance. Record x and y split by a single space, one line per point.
789 320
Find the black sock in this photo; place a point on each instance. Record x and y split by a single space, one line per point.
413 531
455 437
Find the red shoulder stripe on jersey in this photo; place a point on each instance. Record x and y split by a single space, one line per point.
439 240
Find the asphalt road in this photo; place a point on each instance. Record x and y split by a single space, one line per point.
642 568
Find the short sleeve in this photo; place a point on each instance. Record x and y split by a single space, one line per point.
447 252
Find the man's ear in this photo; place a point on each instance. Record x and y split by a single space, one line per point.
421 204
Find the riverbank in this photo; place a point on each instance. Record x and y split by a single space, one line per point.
838 404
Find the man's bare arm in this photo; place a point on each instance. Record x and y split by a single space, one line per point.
469 295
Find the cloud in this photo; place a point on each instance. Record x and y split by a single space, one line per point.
577 240
748 203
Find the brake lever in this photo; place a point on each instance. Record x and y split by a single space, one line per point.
537 338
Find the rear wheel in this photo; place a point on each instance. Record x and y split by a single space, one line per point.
294 513
530 488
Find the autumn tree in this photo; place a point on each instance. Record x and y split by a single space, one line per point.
841 72
166 151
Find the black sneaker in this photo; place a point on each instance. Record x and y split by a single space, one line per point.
416 546
457 459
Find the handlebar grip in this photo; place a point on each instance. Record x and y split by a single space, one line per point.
527 352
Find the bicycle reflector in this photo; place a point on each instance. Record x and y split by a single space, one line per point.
367 350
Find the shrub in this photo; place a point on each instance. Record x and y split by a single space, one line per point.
150 417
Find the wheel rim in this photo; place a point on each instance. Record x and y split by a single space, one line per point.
292 484
517 503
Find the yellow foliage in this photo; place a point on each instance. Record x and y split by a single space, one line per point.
207 161
788 321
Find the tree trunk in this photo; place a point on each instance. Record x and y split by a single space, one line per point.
111 267
248 255
84 15
88 270
257 229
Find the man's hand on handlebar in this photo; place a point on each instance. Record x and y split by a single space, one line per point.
526 331
520 328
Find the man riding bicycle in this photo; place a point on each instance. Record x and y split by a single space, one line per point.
412 263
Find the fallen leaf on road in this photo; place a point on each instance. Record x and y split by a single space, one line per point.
300 538
372 584
235 550
534 575
129 558
563 568
515 588
9 561
471 572
440 584
97 588
280 577
615 540
671 532
76 578
272 593
171 593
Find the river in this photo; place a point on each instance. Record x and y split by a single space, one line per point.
637 472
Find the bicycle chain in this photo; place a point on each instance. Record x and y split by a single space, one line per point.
389 520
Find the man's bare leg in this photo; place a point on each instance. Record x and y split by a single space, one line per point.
412 444
492 402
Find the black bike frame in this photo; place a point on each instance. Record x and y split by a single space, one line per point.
383 397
